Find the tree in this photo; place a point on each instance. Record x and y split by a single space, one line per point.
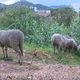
63 15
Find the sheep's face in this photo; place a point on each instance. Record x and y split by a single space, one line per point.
75 47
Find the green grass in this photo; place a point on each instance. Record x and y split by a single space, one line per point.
10 58
31 47
68 58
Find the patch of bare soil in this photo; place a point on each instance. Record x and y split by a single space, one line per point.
11 70
38 71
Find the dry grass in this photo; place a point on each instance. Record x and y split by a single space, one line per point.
41 54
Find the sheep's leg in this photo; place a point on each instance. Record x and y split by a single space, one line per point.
65 50
20 56
70 49
3 53
6 53
54 47
15 46
21 48
58 49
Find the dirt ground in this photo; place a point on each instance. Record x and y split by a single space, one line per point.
11 70
38 71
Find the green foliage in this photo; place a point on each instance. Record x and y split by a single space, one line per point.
37 29
63 15
75 26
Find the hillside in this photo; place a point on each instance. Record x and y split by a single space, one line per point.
22 3
26 3
31 5
59 6
2 6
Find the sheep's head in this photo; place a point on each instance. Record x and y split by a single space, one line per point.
74 46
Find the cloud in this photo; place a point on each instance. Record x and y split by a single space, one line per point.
8 1
44 2
76 6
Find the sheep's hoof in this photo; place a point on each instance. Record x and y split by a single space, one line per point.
19 62
4 58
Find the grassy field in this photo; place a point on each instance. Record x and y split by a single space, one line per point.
69 58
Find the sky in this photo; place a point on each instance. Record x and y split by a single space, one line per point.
45 2
74 3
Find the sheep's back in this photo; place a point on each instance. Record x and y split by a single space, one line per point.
11 36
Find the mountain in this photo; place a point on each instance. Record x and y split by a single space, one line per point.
60 6
40 6
23 3
29 4
2 7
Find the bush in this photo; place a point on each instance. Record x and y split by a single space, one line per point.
37 29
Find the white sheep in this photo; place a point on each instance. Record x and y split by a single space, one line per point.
13 39
62 42
57 41
69 43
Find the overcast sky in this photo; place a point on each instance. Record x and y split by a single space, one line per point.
45 2
74 3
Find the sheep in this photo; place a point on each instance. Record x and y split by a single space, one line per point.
63 42
57 41
14 39
74 44
69 43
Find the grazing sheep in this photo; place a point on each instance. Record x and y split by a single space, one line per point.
63 42
13 39
57 41
74 44
69 43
